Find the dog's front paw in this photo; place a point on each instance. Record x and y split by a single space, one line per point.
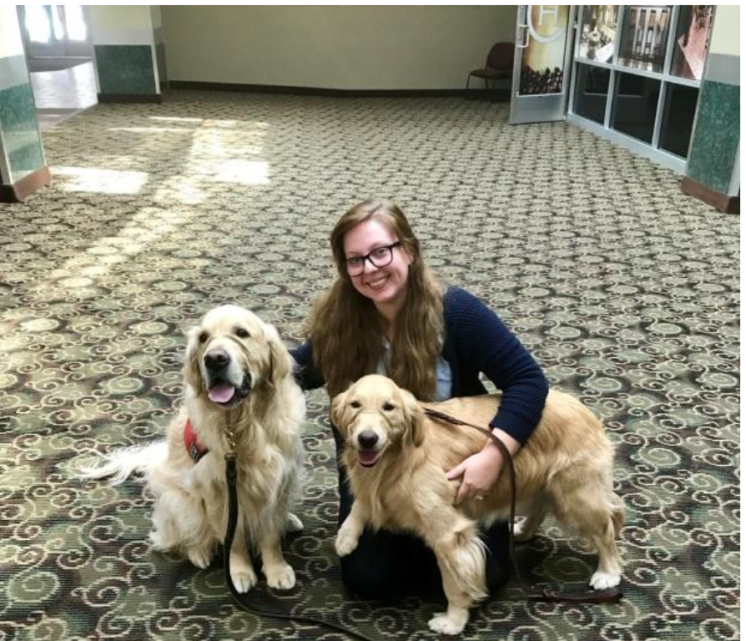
604 580
244 578
294 524
449 623
346 542
200 557
280 576
521 533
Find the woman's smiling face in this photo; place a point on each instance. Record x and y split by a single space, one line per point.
386 286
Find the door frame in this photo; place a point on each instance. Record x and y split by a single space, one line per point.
543 107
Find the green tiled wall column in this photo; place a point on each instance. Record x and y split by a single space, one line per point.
712 168
22 166
125 70
125 49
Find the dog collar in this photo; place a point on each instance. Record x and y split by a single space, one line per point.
195 449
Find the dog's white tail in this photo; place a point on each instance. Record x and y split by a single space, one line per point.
124 462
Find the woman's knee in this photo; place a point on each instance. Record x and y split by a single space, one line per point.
368 580
387 565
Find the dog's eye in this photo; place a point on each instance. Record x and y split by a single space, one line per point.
203 337
355 405
242 333
388 407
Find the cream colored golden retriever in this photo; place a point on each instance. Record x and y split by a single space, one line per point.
397 459
236 371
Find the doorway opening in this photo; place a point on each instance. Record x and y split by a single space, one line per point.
59 54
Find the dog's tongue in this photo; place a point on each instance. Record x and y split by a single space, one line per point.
367 458
222 393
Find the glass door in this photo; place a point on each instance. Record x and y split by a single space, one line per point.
54 30
544 38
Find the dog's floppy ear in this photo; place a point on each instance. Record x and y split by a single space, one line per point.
337 409
280 361
192 371
415 418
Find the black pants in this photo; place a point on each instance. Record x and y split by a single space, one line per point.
388 565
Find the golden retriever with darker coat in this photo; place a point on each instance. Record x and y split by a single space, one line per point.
397 458
237 371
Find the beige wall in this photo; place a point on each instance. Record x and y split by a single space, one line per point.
121 16
121 24
726 30
342 47
155 16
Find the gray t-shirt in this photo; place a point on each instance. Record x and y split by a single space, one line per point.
442 374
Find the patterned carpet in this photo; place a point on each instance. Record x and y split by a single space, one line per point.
626 290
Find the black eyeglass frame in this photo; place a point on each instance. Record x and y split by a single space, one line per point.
369 257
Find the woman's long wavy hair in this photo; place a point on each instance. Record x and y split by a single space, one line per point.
345 327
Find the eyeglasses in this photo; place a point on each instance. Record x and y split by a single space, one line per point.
379 257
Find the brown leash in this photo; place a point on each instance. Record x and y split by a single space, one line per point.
231 477
609 595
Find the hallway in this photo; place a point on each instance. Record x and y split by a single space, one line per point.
61 93
623 287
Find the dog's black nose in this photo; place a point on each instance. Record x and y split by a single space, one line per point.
216 359
367 439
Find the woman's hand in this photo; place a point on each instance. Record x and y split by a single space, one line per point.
480 471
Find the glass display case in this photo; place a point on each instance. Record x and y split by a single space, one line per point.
678 118
635 106
636 75
692 35
597 35
591 92
644 37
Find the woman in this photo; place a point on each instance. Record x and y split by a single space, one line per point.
387 313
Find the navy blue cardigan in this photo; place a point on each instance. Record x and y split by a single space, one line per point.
476 340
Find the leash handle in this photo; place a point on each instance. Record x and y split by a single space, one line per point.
596 596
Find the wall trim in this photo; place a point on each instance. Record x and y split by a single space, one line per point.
104 98
720 67
498 95
721 202
118 36
19 191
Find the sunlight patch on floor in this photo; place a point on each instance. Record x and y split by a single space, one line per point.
100 181
175 119
224 151
245 172
152 130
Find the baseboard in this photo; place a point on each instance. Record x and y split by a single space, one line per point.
721 202
107 98
337 93
18 192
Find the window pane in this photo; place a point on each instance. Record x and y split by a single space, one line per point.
692 34
678 119
598 32
76 28
59 28
644 37
635 104
591 92
37 23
